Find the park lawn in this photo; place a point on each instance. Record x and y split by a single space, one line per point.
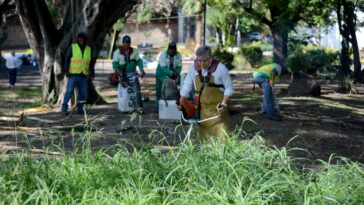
212 173
14 99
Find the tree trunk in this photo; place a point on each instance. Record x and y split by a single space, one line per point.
219 37
114 38
198 33
351 25
280 42
344 56
50 43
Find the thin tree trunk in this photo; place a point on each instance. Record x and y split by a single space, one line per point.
344 56
351 25
199 29
219 37
115 34
280 51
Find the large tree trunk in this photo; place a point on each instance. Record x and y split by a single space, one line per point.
351 25
280 42
344 56
50 42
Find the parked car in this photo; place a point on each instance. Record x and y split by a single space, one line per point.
255 36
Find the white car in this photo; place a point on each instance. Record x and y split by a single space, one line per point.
255 36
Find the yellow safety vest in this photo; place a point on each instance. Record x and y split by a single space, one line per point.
80 64
267 72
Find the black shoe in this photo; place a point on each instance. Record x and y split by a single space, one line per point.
80 112
275 118
65 113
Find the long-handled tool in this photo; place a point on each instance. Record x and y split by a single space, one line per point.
193 122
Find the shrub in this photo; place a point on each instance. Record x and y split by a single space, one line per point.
312 59
333 61
317 60
297 61
252 53
224 57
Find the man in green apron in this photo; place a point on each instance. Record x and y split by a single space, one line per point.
213 86
169 66
124 62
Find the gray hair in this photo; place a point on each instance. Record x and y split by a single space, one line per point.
203 50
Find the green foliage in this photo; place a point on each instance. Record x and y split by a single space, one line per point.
317 59
265 61
53 10
118 25
145 12
297 61
252 52
312 59
211 173
225 57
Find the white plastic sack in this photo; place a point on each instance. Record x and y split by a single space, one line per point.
127 100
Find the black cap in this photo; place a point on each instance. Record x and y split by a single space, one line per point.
172 45
126 39
82 35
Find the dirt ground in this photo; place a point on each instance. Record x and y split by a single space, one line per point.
331 124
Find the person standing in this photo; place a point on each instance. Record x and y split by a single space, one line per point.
169 66
265 77
12 66
213 86
125 61
79 67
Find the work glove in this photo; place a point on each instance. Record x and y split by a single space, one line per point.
174 75
221 108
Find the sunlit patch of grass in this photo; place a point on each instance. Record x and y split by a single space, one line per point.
327 103
32 104
20 92
251 97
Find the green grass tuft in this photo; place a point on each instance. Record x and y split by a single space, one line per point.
212 173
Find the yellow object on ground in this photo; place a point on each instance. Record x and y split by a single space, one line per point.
42 108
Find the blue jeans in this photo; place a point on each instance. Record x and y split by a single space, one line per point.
12 76
267 92
79 82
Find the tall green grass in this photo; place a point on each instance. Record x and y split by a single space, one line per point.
211 173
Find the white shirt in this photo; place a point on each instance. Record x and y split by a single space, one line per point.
11 62
221 76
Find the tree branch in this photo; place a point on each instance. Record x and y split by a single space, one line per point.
31 28
254 13
46 25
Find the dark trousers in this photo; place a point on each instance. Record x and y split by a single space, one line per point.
12 76
79 82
